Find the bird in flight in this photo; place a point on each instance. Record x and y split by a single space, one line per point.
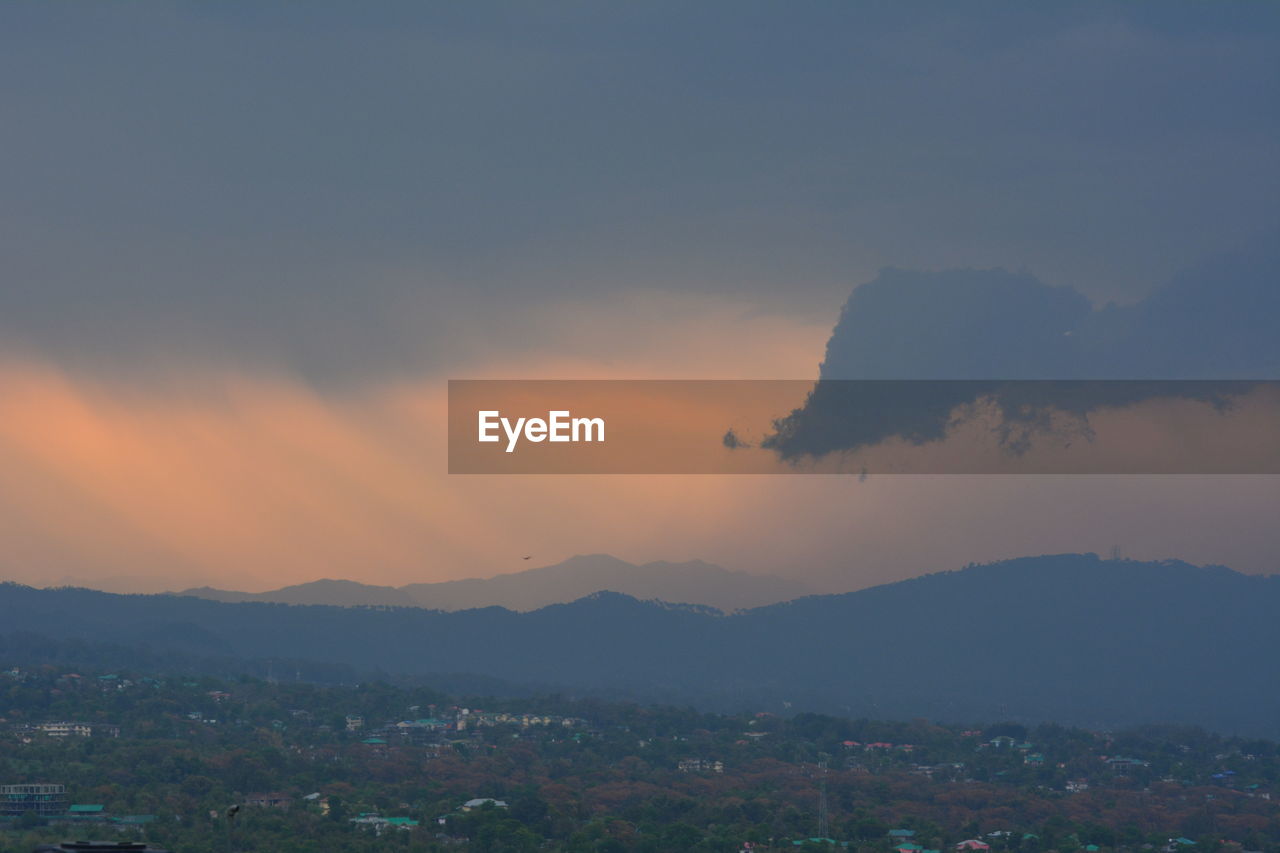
527 558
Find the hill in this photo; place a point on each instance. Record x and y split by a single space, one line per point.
694 582
1070 638
339 593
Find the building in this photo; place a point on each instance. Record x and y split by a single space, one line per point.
99 847
44 799
86 812
1121 763
274 800
482 801
134 819
700 765
378 823
816 841
65 729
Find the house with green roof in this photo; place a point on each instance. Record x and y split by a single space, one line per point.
133 819
816 841
85 813
378 823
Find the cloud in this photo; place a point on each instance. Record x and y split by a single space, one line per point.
1002 334
221 220
256 478
348 195
255 482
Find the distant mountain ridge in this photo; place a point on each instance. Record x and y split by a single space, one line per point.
1070 638
339 593
693 582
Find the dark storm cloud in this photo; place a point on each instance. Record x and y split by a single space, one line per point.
1214 320
350 189
1002 334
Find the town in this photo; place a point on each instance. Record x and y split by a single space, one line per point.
197 763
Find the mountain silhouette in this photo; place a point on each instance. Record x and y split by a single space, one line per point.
1071 638
694 582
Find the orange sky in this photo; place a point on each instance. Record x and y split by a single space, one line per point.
257 481
242 260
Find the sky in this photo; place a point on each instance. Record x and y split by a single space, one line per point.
246 244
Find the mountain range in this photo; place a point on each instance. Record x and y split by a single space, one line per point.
693 582
1070 638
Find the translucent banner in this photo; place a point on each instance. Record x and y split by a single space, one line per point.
863 427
